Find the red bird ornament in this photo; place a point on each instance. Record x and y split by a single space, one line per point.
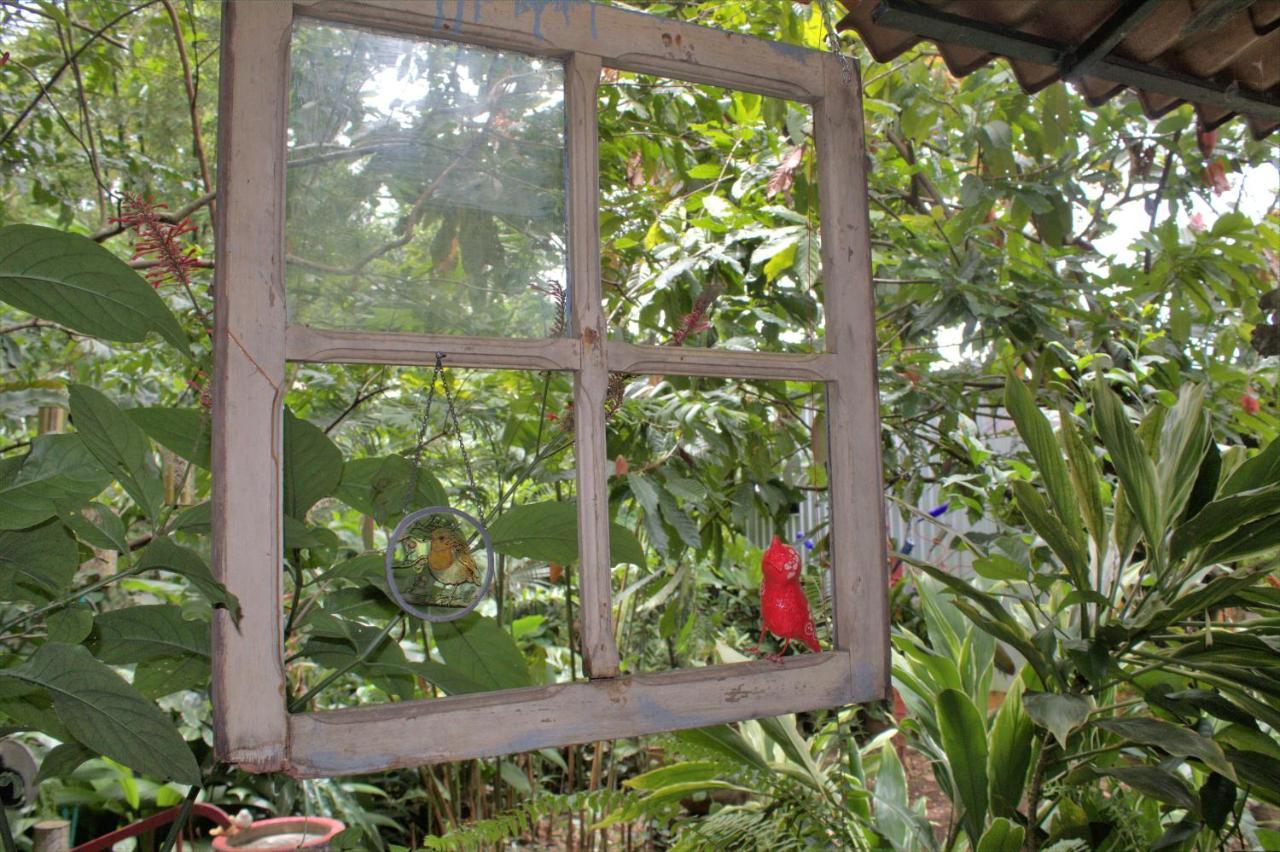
784 610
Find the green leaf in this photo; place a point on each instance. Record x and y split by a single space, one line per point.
59 467
138 634
1254 538
107 715
1183 443
197 520
683 772
61 761
164 554
119 445
1002 836
964 740
1134 467
184 431
1009 752
996 567
548 532
480 647
1262 469
1082 467
725 742
73 281
36 565
312 466
1156 783
167 675
379 487
69 625
1171 738
1059 713
1066 546
1217 800
1224 517
1037 434
95 524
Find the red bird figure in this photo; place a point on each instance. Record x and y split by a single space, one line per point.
784 610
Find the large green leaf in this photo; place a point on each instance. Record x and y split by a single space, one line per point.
107 715
1067 546
1251 539
36 565
726 742
1009 752
312 465
164 554
1183 443
1059 713
95 524
1082 466
1158 784
58 468
479 647
73 281
379 487
1223 517
184 431
138 634
1171 738
1134 467
119 445
1002 836
1262 469
549 532
1037 434
964 740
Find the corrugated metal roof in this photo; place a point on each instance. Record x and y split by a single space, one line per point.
1221 55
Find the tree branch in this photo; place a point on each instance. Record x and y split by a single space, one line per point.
44 88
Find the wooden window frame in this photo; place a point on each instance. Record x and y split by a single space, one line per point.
253 341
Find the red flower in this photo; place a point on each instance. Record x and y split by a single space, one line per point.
160 239
1249 403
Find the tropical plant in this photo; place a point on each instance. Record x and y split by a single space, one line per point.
1142 608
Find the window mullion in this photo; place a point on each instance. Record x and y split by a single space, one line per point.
859 573
599 652
251 724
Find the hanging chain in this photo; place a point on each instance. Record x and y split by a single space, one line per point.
833 42
451 414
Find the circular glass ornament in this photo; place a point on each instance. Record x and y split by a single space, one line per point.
436 529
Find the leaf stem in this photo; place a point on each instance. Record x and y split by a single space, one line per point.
295 706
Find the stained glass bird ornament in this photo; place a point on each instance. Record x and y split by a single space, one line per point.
784 609
448 557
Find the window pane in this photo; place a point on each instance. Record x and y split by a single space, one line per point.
707 472
425 186
517 475
709 217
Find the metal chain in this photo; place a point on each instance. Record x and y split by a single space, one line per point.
833 42
420 443
451 414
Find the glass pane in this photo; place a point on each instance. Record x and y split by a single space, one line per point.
707 472
513 468
708 217
425 188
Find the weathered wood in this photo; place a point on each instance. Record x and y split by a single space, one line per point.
859 566
688 361
303 343
630 41
367 739
599 653
250 722
50 835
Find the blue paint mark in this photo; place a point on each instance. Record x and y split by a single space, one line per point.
439 20
563 6
457 14
475 13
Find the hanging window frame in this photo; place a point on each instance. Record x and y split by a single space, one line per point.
253 341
